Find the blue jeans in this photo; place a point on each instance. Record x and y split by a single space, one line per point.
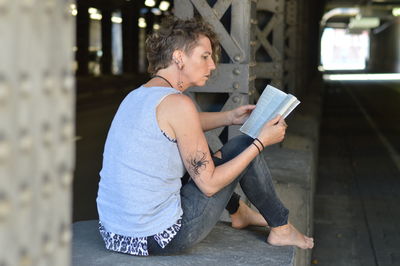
201 213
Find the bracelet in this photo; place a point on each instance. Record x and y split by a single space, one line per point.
260 142
259 151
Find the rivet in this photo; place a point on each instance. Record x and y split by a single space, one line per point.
236 71
66 235
237 58
4 150
25 195
67 12
47 187
253 21
48 84
4 207
3 90
66 179
25 142
236 99
47 135
68 82
67 131
253 43
47 245
236 85
25 85
24 258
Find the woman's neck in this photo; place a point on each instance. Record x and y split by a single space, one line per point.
169 76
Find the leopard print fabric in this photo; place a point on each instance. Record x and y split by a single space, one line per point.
137 245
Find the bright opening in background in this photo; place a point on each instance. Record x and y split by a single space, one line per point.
341 50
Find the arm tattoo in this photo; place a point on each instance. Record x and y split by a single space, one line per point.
198 162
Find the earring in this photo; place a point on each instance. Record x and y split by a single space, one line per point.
180 82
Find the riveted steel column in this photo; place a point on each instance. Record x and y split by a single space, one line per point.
291 47
270 41
303 41
235 75
37 96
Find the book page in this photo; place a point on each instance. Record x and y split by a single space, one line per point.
291 107
287 106
267 108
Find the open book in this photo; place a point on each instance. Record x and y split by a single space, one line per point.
271 103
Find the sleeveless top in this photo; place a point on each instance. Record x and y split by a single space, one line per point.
139 189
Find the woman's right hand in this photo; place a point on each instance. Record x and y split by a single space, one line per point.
273 131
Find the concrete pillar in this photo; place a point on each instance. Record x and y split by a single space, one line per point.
37 120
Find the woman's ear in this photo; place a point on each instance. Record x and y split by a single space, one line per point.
177 57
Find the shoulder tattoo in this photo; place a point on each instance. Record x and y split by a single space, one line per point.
197 162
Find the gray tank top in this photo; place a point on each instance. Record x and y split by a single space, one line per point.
139 189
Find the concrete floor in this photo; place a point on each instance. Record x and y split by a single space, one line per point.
357 201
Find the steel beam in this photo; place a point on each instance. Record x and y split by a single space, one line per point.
234 77
270 38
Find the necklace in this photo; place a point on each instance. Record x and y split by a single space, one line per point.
166 80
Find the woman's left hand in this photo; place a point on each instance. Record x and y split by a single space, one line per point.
240 114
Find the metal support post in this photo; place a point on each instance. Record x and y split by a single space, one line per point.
270 43
236 33
37 98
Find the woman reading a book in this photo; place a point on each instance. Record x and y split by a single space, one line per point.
157 135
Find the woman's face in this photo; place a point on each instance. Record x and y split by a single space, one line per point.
198 64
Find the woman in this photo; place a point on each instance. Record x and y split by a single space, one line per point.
157 135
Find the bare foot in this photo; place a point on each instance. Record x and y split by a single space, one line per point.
287 235
246 216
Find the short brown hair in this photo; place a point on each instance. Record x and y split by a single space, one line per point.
175 34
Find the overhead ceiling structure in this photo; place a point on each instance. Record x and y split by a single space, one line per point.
359 14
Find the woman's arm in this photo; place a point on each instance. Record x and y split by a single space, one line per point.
211 120
237 116
185 121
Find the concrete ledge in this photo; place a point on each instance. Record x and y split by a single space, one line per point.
293 166
223 246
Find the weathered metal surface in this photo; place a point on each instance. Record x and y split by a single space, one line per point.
37 97
291 47
227 78
270 42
